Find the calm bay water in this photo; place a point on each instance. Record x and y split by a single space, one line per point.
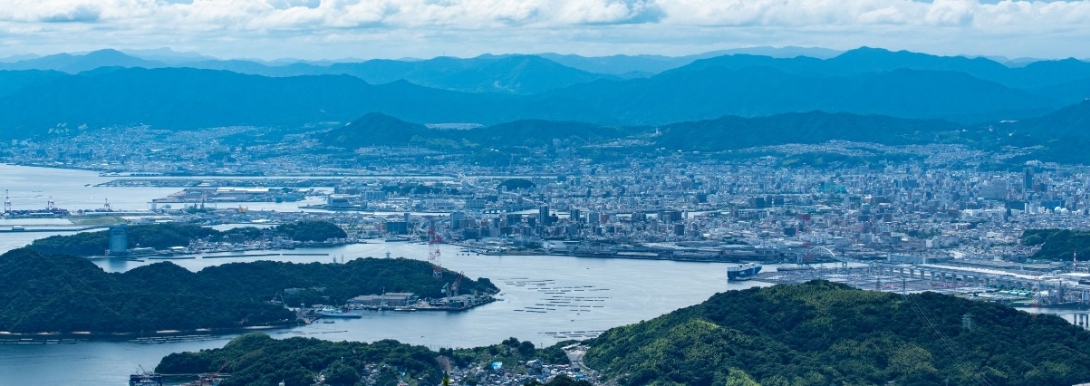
31 188
629 290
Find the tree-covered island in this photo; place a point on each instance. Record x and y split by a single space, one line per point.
50 293
166 236
257 359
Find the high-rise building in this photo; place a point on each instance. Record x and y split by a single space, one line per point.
456 219
119 240
543 215
670 216
397 227
1027 180
995 190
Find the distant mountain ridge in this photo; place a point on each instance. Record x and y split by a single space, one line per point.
710 92
79 63
494 89
529 74
514 74
647 65
866 59
183 98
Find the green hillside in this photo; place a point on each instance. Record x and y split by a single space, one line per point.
163 236
257 359
822 333
60 293
376 129
1058 244
731 132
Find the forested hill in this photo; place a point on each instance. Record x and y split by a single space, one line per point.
1057 137
1058 244
820 333
164 236
376 129
732 132
59 293
257 359
725 133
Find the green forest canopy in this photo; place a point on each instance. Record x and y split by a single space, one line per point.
45 293
820 333
257 359
517 184
164 236
1058 244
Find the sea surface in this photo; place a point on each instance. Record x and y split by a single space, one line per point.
616 292
33 187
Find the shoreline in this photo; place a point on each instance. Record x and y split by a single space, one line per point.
163 336
9 338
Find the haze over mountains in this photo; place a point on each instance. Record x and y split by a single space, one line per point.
104 88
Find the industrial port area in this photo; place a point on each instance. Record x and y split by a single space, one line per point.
1010 288
934 205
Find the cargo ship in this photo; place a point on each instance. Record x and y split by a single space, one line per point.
743 271
331 312
145 378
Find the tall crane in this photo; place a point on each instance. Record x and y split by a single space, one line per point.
457 284
433 253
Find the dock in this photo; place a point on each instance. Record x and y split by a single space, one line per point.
1016 288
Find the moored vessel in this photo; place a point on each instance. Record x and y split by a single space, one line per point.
330 312
741 272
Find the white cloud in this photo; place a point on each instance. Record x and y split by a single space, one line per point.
951 12
333 28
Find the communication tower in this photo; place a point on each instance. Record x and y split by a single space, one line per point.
49 204
7 202
107 206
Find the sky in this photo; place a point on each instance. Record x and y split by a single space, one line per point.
333 29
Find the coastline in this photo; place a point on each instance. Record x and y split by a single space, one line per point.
7 337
